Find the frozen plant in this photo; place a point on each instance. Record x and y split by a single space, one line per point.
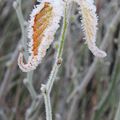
44 22
42 26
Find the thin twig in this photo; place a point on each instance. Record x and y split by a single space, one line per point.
6 57
33 111
46 89
28 81
9 73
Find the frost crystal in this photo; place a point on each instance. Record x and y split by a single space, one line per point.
43 24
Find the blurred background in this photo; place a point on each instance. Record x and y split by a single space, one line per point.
85 88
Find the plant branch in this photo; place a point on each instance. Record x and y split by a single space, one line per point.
46 89
28 81
58 59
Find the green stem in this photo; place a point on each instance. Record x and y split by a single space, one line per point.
65 23
58 59
46 89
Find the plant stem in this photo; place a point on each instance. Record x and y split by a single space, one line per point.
58 59
48 107
17 7
28 81
46 89
65 23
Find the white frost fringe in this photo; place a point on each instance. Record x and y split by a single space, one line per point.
57 13
89 25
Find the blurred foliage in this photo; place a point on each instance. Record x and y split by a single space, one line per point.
15 99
